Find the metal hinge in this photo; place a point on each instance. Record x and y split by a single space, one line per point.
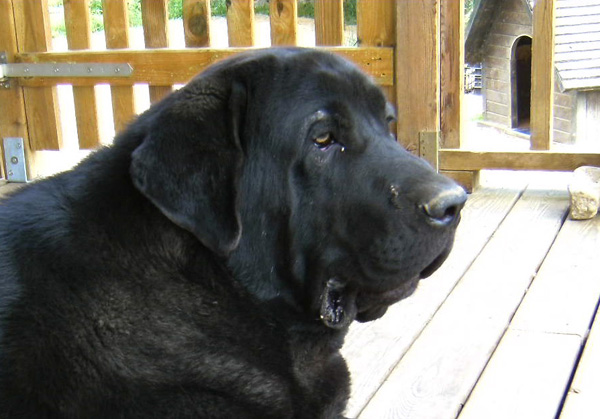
10 70
14 155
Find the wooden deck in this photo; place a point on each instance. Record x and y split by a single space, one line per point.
502 330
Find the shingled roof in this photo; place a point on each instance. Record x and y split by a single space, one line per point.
577 39
577 43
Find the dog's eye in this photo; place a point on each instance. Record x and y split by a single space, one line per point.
324 141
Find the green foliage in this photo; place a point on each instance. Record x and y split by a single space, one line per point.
218 7
175 9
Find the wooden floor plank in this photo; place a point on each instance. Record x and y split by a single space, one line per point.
564 295
533 364
526 378
583 401
440 369
373 349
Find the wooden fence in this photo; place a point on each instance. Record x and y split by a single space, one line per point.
414 49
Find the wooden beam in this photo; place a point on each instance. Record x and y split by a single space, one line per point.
79 36
329 22
155 19
542 75
531 160
452 72
116 26
196 23
375 23
284 22
13 122
417 70
240 23
32 25
163 67
375 27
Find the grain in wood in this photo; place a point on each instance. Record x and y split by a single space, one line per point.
116 31
170 66
284 22
542 75
417 70
240 23
155 20
79 35
41 104
196 23
329 22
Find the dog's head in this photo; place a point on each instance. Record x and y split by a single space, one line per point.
282 162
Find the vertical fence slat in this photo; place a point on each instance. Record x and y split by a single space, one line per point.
116 31
240 23
542 75
155 19
284 22
417 70
376 27
196 23
12 103
41 103
329 22
79 36
452 71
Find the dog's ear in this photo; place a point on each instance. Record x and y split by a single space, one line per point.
190 161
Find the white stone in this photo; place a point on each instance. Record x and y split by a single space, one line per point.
585 192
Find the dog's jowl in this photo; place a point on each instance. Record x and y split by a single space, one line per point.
209 263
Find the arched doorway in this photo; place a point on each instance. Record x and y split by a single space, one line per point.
521 83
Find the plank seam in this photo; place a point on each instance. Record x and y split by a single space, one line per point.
578 361
507 328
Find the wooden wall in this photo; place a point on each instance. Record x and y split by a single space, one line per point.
588 117
514 21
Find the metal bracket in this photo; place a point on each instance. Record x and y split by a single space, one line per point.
14 155
11 70
65 70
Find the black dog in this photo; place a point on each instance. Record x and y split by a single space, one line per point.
209 263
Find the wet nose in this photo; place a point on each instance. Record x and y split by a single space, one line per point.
443 209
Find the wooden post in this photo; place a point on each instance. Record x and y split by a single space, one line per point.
32 26
196 23
284 22
116 27
417 70
240 23
376 28
12 103
79 36
452 71
542 75
329 22
155 19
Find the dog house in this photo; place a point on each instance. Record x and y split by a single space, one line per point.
499 36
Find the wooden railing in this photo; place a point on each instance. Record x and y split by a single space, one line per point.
413 49
30 105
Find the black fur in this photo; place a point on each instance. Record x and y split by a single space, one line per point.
209 263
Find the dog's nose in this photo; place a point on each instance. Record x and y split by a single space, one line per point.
444 208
